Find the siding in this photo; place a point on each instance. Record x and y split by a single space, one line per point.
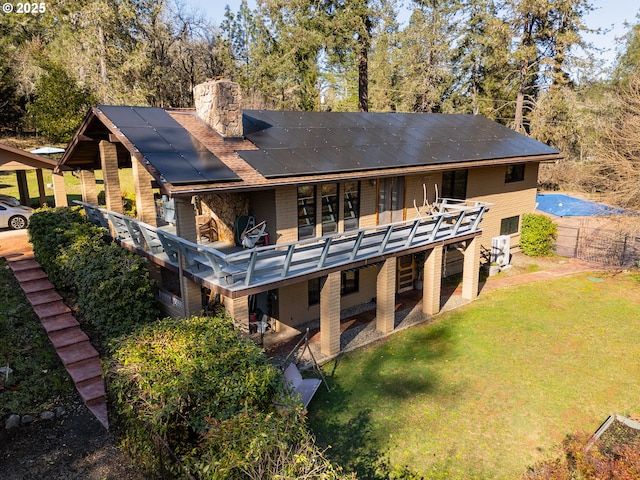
509 199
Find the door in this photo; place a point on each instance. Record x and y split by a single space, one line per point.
390 200
405 273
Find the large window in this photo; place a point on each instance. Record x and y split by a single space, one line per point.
514 173
351 209
306 211
314 291
390 200
349 282
454 184
509 226
329 208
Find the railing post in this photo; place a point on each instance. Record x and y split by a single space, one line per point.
287 261
250 267
456 227
479 213
385 240
356 245
412 234
325 252
436 228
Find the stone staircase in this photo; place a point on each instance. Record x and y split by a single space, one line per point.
79 357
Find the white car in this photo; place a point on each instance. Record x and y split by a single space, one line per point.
12 214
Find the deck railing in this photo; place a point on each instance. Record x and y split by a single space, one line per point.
262 266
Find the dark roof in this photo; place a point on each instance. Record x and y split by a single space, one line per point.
186 156
311 143
168 146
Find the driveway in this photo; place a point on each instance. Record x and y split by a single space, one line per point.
13 242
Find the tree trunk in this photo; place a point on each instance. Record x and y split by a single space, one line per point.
363 77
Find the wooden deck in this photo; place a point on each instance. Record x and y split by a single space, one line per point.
247 271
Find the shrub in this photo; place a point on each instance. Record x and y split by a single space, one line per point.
538 235
114 290
209 394
50 232
111 285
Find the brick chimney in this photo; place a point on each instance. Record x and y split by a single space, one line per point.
218 104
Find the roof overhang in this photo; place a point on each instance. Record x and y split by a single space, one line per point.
12 159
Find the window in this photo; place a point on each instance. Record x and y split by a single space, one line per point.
306 211
509 225
454 184
349 282
515 173
351 210
390 200
314 291
329 208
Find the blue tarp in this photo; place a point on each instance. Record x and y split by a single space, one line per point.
565 206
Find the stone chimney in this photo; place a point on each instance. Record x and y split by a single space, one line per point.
218 105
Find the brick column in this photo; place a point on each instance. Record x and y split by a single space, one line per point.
330 314
471 269
238 310
386 296
186 228
432 281
145 204
109 161
89 187
59 190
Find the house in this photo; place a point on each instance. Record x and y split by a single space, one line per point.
348 201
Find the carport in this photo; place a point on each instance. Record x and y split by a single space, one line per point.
19 161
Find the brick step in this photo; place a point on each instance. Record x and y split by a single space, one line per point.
68 336
99 410
50 309
59 322
92 391
43 296
37 285
85 369
76 353
31 274
21 263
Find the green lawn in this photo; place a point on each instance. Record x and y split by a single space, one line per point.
487 390
9 185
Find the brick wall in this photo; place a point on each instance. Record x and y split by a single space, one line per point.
509 199
286 215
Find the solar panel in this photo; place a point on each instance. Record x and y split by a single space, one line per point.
176 154
307 143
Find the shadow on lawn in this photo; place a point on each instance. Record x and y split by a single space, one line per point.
386 376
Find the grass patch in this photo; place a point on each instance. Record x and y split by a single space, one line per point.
490 389
38 380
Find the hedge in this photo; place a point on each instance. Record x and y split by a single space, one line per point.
538 235
110 286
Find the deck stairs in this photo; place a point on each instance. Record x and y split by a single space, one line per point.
72 345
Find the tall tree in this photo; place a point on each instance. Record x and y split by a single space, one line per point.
59 104
427 52
627 64
482 57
